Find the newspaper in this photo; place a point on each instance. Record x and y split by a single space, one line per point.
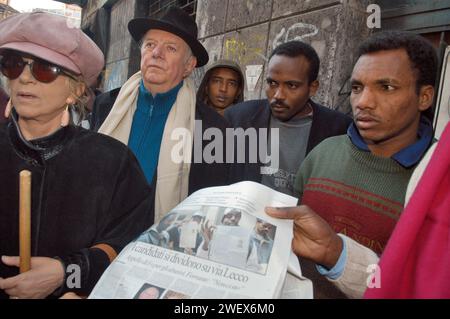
218 243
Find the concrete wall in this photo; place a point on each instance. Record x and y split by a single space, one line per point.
119 45
247 31
122 56
89 10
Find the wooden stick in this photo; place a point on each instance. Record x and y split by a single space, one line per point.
25 221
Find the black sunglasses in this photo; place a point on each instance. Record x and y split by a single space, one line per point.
12 66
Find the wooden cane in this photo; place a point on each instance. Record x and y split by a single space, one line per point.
25 221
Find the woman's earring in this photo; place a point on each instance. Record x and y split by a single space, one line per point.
65 119
8 109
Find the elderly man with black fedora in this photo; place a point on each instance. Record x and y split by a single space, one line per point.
156 101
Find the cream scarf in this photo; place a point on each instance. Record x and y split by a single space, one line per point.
172 175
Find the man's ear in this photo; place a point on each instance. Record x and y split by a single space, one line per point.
313 87
426 96
189 66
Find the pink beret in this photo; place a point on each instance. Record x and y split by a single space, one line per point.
52 38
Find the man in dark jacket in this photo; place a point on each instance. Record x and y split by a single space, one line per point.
295 123
159 103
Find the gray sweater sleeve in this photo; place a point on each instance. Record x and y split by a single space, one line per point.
354 279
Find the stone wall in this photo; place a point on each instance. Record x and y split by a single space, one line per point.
89 10
122 54
247 31
120 43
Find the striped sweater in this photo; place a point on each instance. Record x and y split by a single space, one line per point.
359 194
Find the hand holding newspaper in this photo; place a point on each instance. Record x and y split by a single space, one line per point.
217 243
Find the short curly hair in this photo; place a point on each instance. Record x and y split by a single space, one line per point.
297 48
421 52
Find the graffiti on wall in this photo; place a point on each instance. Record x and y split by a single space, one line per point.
243 53
297 31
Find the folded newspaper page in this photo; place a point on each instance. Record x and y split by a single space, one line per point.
217 243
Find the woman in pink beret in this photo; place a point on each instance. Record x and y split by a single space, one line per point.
89 197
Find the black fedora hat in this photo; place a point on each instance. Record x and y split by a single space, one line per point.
175 21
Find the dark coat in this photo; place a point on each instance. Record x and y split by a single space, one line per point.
87 189
201 174
256 113
3 101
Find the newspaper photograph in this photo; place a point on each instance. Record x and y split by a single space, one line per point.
217 243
